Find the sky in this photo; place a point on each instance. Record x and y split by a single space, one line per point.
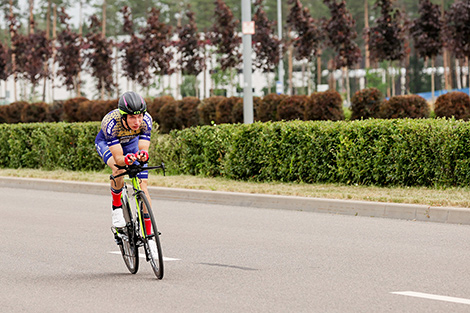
72 12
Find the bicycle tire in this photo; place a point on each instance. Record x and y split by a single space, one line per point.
129 248
157 264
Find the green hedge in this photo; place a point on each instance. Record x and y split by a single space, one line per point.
401 152
405 152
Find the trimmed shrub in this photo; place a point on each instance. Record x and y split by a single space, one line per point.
453 104
326 105
34 112
13 111
100 108
223 111
154 106
267 108
188 114
409 106
3 114
84 111
206 110
71 107
237 109
55 111
169 117
366 104
292 108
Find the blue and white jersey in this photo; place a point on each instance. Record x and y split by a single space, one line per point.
113 131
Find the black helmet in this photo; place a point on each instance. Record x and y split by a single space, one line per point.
131 103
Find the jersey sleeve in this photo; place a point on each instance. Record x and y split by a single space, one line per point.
146 127
108 126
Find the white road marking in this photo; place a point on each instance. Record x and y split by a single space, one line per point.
142 255
432 297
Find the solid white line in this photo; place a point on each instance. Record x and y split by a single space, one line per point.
142 255
432 297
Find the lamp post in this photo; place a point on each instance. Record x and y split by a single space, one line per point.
280 82
247 30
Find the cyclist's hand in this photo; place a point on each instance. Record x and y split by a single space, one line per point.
129 158
142 156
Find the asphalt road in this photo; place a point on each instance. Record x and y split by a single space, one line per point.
56 255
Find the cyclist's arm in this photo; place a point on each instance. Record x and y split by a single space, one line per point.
144 144
118 154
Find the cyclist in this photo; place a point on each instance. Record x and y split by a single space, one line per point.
124 138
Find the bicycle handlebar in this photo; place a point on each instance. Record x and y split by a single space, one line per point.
133 169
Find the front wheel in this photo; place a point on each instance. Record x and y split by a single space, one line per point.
129 249
155 255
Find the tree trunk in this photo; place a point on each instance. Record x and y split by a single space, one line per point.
54 50
80 33
433 84
116 57
468 73
458 73
303 77
31 17
290 69
348 88
318 69
366 25
13 58
309 78
103 35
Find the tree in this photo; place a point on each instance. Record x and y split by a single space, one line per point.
340 29
4 63
68 54
265 44
136 61
224 36
309 38
457 30
99 57
426 31
31 51
387 39
191 61
156 36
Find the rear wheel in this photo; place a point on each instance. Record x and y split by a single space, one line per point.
155 257
129 249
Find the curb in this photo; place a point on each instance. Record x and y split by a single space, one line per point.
452 215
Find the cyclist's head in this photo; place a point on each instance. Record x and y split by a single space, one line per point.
131 103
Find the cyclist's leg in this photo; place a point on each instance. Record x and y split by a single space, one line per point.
116 186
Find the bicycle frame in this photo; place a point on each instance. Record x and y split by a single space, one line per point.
137 189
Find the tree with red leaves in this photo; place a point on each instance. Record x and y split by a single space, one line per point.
157 43
457 30
387 40
68 53
32 51
99 57
341 32
426 31
265 44
309 38
191 61
136 61
4 62
224 36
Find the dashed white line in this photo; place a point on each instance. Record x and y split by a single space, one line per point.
142 255
432 297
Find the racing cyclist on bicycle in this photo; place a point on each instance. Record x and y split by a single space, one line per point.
124 138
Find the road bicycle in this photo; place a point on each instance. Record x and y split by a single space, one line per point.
134 234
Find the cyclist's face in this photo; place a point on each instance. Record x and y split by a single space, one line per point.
134 121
